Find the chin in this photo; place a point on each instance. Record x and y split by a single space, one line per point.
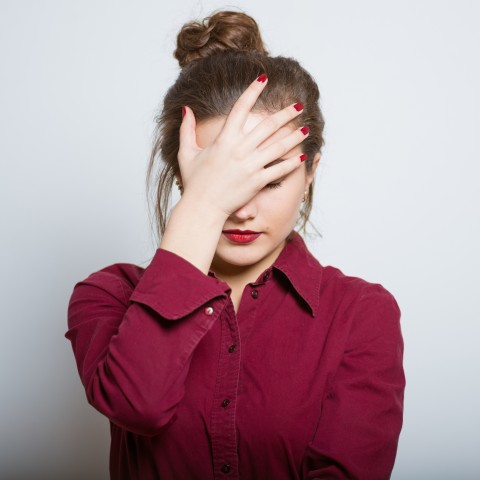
240 260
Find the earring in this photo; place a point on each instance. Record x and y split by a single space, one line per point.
305 194
179 185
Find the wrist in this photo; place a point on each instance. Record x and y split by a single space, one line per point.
193 231
207 212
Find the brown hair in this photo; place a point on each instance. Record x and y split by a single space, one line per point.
220 57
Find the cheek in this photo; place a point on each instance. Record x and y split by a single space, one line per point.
283 208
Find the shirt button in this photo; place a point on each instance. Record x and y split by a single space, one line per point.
226 468
232 348
225 403
209 310
254 293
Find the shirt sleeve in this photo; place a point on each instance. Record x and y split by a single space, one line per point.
362 411
133 345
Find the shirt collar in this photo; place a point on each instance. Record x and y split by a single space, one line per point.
302 270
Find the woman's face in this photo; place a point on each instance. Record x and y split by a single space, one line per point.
273 211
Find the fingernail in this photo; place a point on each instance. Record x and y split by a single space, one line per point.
303 157
184 111
262 78
298 106
305 130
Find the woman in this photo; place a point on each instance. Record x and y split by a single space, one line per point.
235 354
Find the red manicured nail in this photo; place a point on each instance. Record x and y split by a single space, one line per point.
303 157
298 106
305 130
262 78
184 111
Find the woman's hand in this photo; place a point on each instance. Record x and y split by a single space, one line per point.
229 172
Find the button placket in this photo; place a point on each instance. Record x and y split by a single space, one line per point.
223 431
226 468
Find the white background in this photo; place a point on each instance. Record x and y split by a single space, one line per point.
397 197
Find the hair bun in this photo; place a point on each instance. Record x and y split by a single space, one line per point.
218 33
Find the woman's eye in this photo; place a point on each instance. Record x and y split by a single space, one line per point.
273 185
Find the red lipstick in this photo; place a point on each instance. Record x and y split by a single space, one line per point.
241 236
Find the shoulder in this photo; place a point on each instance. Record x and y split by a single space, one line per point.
328 289
117 280
358 299
351 287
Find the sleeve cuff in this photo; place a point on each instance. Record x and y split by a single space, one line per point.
174 288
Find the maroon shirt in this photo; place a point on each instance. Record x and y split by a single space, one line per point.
304 381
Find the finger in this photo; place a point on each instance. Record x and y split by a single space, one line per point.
188 136
282 168
238 115
270 125
281 147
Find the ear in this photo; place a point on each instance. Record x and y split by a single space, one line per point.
311 175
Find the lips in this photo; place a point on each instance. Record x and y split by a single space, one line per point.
241 236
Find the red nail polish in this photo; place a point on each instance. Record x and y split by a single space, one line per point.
303 157
305 130
184 111
298 106
262 78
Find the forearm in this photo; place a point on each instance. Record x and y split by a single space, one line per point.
193 231
139 382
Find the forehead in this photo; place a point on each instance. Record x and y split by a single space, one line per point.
208 130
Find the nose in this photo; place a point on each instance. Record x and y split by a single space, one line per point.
246 212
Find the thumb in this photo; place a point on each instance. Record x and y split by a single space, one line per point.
188 137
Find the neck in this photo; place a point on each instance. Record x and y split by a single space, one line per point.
241 275
235 275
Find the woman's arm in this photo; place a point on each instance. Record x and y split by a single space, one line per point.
361 416
133 346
